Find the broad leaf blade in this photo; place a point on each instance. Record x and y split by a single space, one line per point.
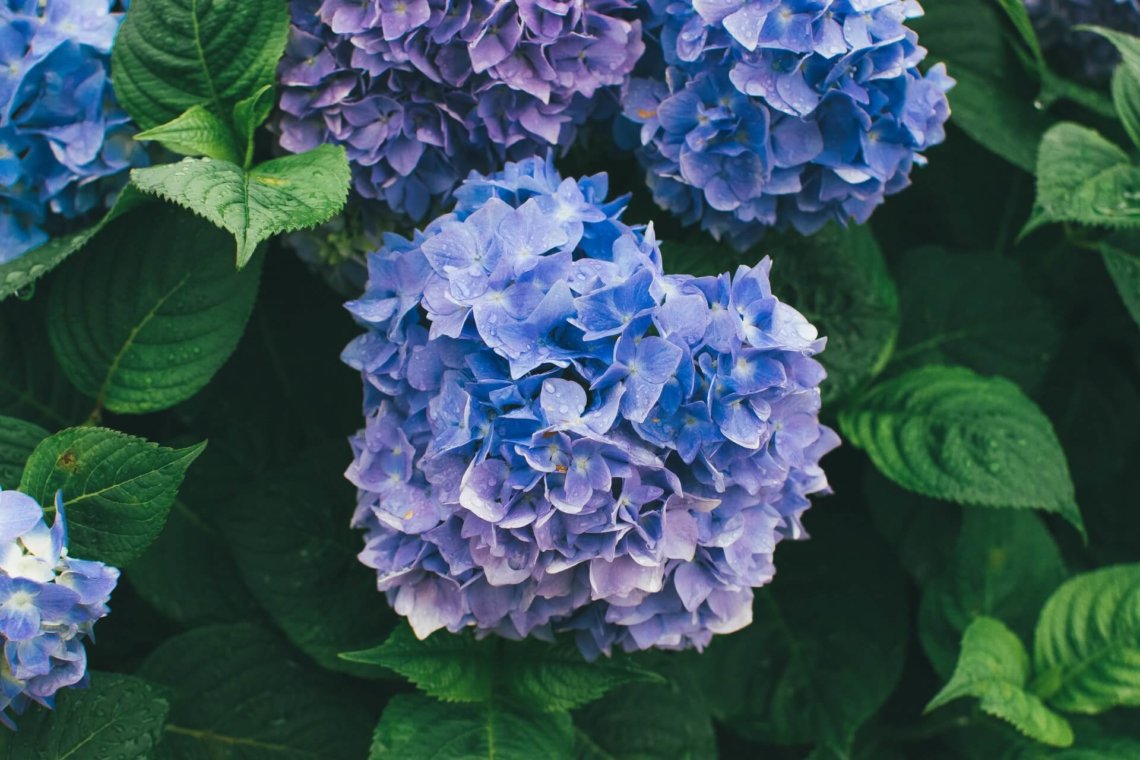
239 692
643 721
555 677
948 433
17 441
1123 265
450 667
197 132
117 718
994 667
174 54
186 312
117 489
415 727
282 195
25 270
1087 646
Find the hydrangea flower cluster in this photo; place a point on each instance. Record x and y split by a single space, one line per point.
786 113
1084 55
561 437
49 603
420 92
61 134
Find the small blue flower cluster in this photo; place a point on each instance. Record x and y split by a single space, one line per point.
783 112
420 92
561 437
1083 55
49 603
61 134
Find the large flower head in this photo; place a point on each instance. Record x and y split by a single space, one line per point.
561 437
49 603
65 146
786 113
420 92
1084 55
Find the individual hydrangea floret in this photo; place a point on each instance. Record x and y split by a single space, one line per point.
782 113
560 437
65 145
49 603
1083 55
420 92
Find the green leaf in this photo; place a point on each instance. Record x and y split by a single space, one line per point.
117 489
991 101
1126 99
302 564
173 54
17 441
23 271
839 280
249 114
1087 646
1123 266
450 667
1005 567
32 387
460 668
238 692
825 647
197 132
415 727
647 722
185 314
923 532
950 434
282 195
976 310
189 576
117 718
1019 17
1085 179
994 667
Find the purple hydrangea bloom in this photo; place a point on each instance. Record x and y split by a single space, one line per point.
1083 55
49 603
785 113
65 146
560 437
420 92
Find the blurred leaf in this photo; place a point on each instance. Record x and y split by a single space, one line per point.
185 314
173 54
281 195
238 692
415 727
189 576
839 280
32 387
1005 567
922 531
1085 179
17 441
990 102
648 721
950 434
976 310
1122 260
117 718
117 489
994 668
1087 646
195 132
1125 80
825 648
291 540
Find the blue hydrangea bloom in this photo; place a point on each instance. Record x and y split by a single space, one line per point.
785 113
560 437
49 603
1083 55
65 146
420 92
